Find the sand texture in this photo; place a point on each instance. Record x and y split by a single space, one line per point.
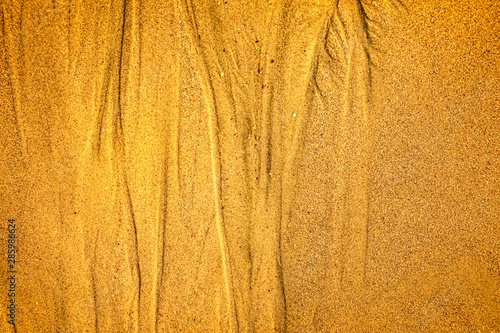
251 165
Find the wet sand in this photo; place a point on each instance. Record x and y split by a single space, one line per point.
251 166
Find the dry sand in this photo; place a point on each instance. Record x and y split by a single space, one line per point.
251 166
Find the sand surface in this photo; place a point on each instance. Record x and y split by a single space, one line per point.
251 165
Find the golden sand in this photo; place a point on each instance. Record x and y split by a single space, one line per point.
250 165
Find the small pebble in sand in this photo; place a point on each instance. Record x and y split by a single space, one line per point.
294 115
221 74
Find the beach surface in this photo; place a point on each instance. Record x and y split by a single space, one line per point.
250 166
